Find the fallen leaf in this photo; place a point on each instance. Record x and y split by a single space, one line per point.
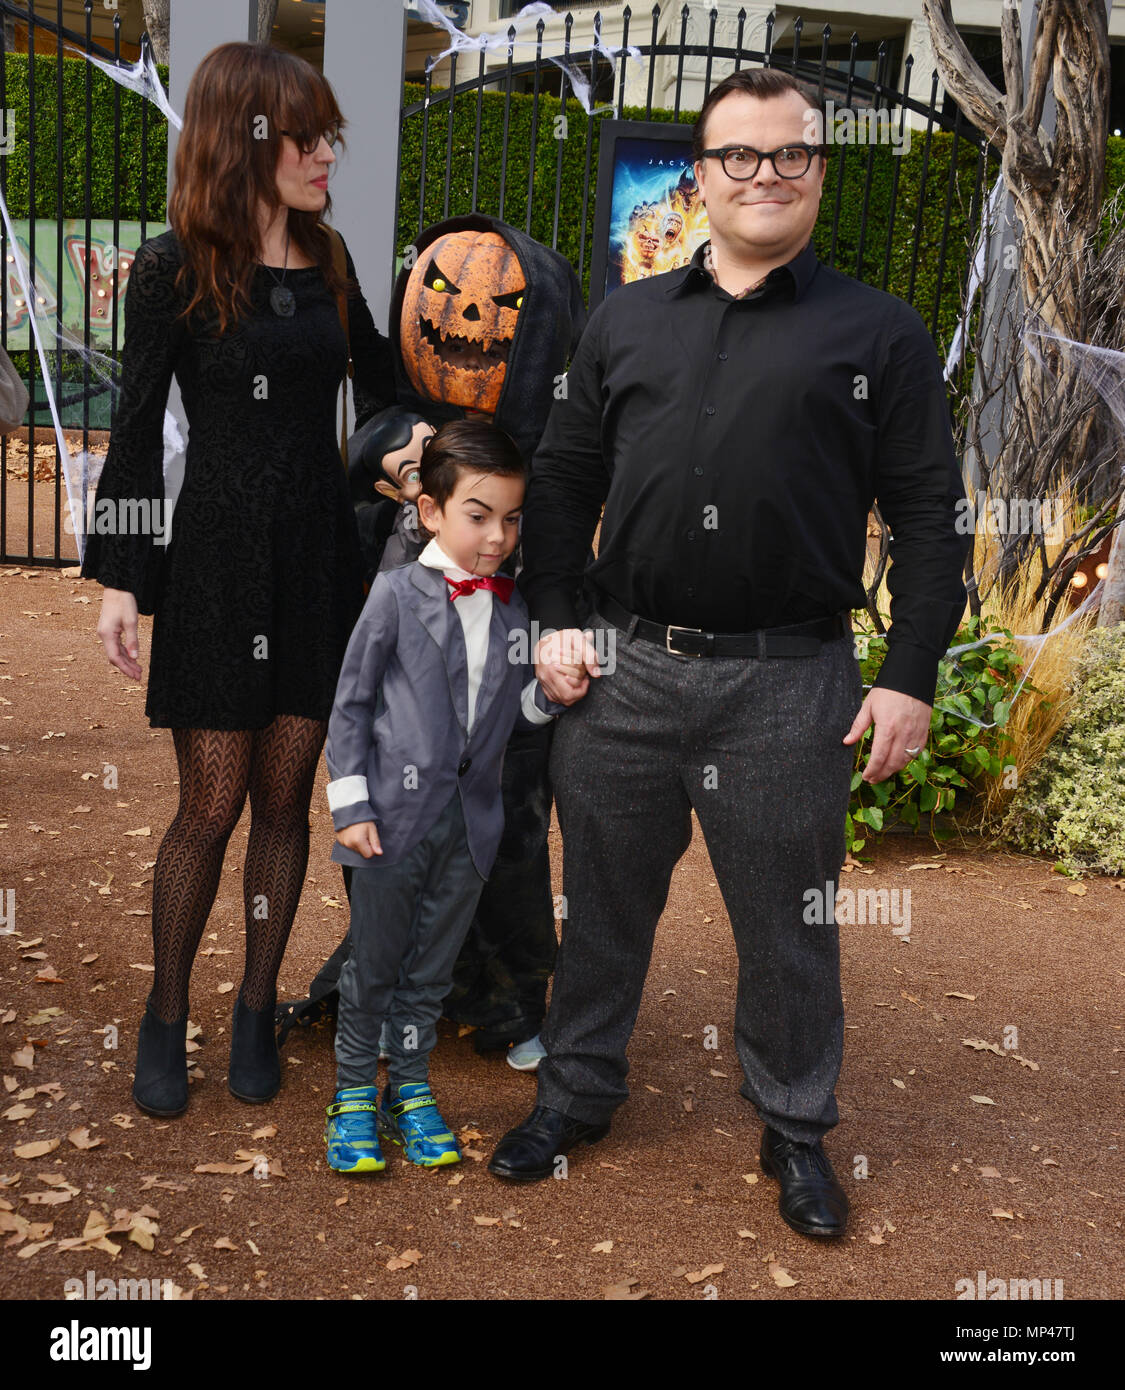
624 1291
704 1273
900 1084
80 1138
751 1178
487 1220
144 830
225 987
983 1100
781 1277
224 1243
980 1045
603 1247
989 1172
1002 1215
37 1148
24 1057
956 994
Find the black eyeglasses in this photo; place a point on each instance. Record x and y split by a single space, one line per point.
743 162
308 144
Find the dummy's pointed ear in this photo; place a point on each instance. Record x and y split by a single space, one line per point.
386 489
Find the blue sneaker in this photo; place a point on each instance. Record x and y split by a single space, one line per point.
351 1133
414 1122
526 1056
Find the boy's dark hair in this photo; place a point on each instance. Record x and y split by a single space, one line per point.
756 82
467 446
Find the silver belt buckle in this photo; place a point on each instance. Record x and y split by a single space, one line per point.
674 627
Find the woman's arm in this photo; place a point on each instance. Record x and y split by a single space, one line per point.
128 532
374 382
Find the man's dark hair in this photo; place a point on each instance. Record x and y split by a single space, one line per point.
756 82
467 446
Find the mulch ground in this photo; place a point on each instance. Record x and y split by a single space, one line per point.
1000 1153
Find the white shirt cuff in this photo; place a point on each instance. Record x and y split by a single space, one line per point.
531 711
346 791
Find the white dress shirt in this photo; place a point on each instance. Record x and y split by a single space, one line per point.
475 612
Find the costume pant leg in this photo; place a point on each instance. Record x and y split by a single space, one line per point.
769 778
446 899
500 979
625 820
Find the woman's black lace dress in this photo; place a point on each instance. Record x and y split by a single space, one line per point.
255 596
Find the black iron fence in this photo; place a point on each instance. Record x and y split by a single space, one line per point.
480 143
83 160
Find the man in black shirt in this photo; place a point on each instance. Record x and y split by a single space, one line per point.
737 418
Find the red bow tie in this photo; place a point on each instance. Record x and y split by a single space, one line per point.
500 584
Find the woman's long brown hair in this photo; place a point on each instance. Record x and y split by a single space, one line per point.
239 100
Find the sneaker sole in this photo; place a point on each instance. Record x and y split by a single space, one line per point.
524 1066
365 1165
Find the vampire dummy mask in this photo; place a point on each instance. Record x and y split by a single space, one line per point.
377 441
459 314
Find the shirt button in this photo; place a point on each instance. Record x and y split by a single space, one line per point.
697 471
690 593
710 410
722 357
464 767
691 535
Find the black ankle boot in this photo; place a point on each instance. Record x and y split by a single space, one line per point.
160 1086
255 1067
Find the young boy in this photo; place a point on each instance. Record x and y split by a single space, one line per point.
432 683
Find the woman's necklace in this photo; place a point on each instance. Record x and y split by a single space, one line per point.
282 300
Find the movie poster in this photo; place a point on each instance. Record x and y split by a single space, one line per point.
657 219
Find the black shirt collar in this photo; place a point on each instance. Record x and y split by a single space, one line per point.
799 271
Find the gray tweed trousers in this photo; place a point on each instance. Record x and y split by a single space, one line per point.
754 746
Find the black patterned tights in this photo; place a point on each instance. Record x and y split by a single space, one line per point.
277 765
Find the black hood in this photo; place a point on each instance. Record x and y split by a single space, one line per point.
550 322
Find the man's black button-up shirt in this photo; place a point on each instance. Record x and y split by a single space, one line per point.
737 445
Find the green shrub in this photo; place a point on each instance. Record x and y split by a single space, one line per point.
977 685
1072 804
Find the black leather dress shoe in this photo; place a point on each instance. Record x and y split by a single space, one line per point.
812 1202
255 1067
528 1152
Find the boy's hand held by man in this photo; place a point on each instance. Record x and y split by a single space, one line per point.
564 663
362 837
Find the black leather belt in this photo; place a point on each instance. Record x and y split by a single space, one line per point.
800 639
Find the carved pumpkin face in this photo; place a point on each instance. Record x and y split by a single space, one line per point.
458 316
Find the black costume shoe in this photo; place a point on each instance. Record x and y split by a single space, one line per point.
255 1067
528 1152
160 1085
812 1202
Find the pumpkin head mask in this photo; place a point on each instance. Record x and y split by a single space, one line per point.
459 315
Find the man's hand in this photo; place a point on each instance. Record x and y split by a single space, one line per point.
564 663
361 837
117 628
901 722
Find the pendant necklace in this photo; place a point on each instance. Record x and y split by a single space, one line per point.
282 300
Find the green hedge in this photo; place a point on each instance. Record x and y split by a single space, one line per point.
102 89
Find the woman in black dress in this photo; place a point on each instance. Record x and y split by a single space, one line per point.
255 595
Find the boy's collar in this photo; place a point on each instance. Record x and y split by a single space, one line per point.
433 557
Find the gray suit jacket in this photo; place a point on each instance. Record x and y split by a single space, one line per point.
397 746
